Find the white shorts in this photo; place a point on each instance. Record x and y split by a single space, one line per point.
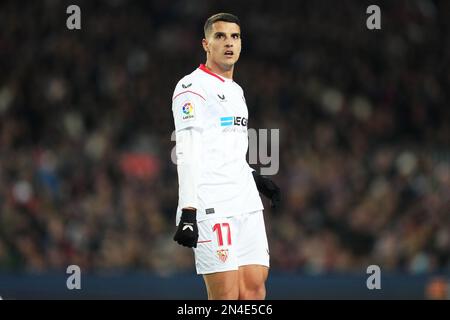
226 243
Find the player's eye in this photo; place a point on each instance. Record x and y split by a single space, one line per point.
235 36
219 36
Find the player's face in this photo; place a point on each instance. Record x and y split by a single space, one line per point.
223 44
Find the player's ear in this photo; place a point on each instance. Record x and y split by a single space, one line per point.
205 45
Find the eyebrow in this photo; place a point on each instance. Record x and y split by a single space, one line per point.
220 33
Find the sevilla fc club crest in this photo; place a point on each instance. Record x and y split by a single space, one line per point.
222 254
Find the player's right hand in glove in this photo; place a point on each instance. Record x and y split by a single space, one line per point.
268 188
187 232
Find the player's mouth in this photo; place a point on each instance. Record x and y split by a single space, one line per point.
229 53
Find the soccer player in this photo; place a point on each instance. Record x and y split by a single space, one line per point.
219 210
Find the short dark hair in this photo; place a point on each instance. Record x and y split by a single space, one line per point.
227 17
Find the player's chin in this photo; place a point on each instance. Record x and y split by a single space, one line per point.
229 62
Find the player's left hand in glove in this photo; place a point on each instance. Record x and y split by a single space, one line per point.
268 188
187 232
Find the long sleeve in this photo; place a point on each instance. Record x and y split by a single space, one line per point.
188 151
188 112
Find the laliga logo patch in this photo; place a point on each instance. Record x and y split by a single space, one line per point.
222 254
187 111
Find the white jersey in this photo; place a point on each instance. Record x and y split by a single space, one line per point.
215 107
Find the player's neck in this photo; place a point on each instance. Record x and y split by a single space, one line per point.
217 69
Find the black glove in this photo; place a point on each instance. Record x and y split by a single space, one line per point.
268 188
187 232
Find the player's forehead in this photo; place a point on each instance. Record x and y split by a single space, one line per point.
225 27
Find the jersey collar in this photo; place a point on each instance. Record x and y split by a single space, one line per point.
204 69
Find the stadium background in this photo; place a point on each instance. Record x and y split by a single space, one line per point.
85 142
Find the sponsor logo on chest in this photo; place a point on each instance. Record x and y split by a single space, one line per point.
233 121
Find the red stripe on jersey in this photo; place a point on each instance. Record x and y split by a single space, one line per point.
190 92
203 68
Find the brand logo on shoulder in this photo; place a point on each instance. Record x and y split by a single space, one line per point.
221 97
185 86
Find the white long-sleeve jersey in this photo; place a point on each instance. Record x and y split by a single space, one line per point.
211 117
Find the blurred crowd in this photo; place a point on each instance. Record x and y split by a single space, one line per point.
86 126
